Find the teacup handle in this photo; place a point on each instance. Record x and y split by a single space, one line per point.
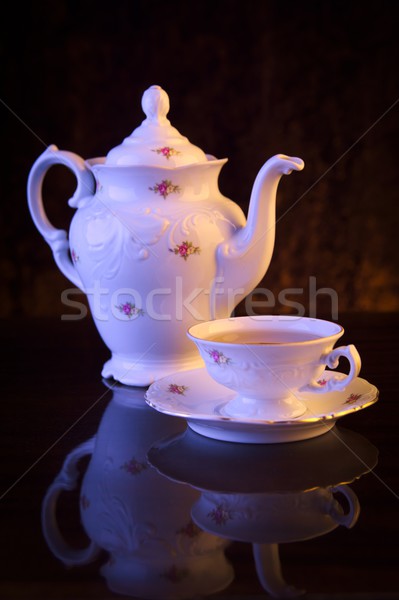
331 359
66 480
350 518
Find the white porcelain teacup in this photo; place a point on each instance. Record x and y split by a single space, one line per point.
270 360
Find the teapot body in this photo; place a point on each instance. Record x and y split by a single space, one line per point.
144 247
155 245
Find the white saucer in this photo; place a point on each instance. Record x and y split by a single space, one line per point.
195 396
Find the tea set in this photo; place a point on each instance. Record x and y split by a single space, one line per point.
164 259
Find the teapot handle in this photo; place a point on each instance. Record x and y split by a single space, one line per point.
66 480
57 238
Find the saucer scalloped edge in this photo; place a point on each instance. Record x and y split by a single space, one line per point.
196 397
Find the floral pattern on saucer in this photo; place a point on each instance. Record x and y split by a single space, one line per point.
352 398
174 388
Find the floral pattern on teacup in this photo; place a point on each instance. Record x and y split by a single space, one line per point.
352 398
322 381
164 188
218 357
220 515
174 388
185 249
166 151
134 466
129 310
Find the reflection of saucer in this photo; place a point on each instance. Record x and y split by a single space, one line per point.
275 492
340 456
195 396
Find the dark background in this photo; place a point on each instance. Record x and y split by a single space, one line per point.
246 80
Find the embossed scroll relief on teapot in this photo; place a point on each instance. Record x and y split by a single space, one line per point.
154 244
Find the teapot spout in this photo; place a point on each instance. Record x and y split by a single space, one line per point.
243 260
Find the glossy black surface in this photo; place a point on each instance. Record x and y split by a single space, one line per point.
53 399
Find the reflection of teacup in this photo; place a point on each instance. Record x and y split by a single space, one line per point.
275 518
265 520
270 360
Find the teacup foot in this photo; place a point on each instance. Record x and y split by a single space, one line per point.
274 410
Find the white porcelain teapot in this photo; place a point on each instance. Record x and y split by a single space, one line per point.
154 244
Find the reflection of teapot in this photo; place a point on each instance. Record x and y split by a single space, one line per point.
140 517
155 245
274 494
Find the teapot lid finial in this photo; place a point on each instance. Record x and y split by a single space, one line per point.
155 142
155 104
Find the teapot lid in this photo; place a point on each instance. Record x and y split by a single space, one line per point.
155 142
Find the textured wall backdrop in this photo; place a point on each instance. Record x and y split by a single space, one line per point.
246 80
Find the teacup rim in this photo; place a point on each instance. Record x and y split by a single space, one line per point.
264 318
